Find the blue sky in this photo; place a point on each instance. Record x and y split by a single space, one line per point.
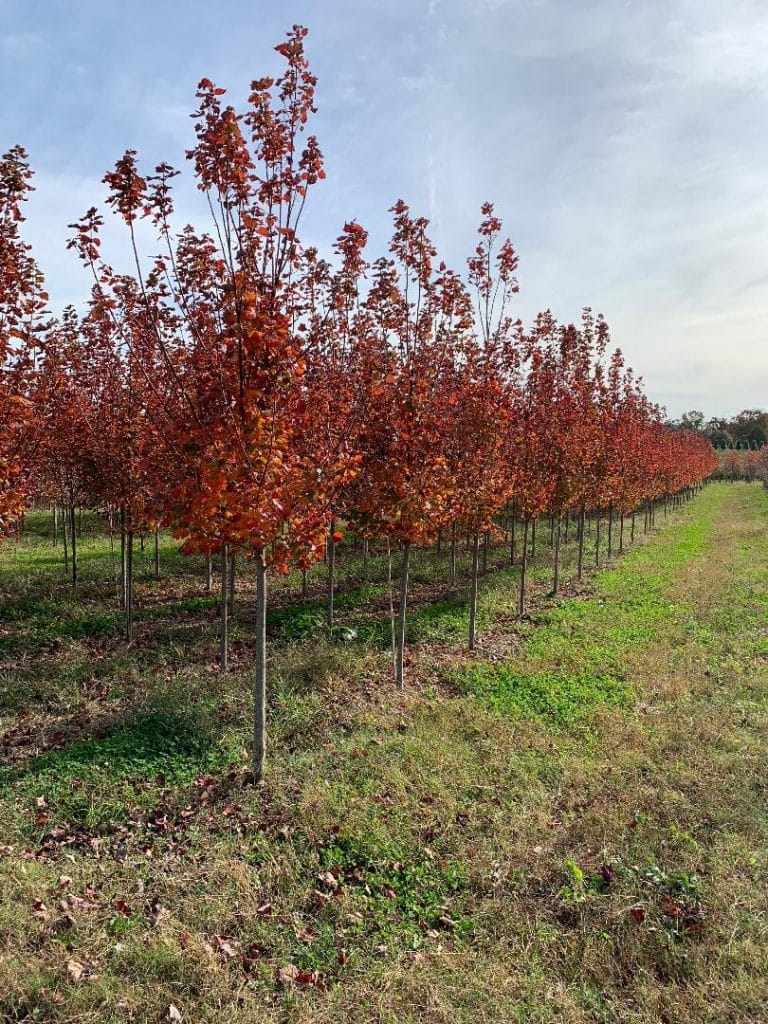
623 143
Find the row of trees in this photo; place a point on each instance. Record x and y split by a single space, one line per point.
733 465
252 395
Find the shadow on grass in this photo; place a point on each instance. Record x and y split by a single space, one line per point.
178 744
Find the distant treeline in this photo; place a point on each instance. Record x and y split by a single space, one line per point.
747 430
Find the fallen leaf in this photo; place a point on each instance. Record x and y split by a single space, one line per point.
159 914
288 975
227 947
75 970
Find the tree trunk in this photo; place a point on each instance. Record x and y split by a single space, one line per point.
209 573
473 592
55 526
632 530
523 569
533 541
73 539
331 550
597 539
453 552
512 540
260 674
224 610
304 585
123 566
556 559
64 537
581 544
610 530
400 636
112 550
621 535
232 582
129 587
157 552
392 630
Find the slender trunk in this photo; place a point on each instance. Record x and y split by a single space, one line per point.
157 552
224 609
473 592
141 541
331 550
129 586
512 541
523 569
610 530
55 526
80 521
208 573
365 559
556 575
304 587
400 638
64 537
597 539
112 551
453 552
632 530
232 582
621 535
581 544
392 630
73 539
533 541
260 680
123 565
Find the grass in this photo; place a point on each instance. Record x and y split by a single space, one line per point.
568 825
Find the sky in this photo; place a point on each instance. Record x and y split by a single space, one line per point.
624 145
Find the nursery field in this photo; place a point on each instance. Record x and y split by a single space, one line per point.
569 823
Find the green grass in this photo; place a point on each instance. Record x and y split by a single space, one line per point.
567 825
558 697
